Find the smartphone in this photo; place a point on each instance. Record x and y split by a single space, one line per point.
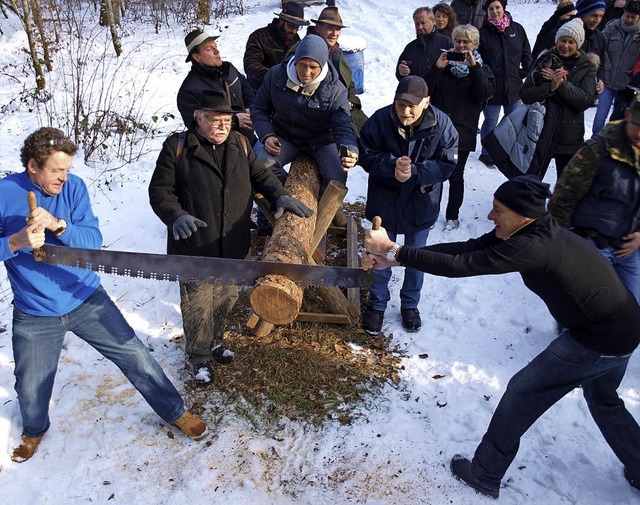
344 151
455 56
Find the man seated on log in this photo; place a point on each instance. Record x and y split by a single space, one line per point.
208 72
302 108
329 27
409 149
600 317
201 189
49 300
267 46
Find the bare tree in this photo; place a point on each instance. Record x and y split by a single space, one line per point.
111 9
23 10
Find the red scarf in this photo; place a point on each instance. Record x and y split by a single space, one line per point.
501 24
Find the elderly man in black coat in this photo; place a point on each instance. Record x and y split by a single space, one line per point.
600 317
201 190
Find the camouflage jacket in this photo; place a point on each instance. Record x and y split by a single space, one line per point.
600 187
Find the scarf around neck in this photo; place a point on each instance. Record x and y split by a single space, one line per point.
306 89
460 69
501 24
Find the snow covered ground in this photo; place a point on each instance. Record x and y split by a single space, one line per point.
106 445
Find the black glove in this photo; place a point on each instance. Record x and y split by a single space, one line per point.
286 202
185 225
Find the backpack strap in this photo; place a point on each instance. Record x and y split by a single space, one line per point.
180 147
243 142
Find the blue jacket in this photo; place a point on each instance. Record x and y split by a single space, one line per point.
422 52
40 289
433 148
308 122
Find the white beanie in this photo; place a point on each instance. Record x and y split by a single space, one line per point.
573 29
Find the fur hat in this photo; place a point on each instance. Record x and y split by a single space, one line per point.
573 29
194 39
293 12
312 47
586 7
412 88
526 194
330 16
487 3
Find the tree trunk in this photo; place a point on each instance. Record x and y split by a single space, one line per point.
31 38
111 9
276 298
203 12
37 18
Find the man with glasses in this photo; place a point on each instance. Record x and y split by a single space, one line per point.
201 190
209 72
598 195
267 46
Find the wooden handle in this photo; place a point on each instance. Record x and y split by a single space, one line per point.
377 223
38 254
33 203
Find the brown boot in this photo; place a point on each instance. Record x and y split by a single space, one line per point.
26 449
191 425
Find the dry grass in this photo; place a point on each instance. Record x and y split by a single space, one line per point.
304 371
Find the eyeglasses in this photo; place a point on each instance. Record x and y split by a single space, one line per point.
217 122
292 26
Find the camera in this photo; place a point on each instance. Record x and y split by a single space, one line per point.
455 56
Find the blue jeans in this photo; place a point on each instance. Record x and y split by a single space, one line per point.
556 371
379 294
628 269
326 157
37 343
605 101
491 115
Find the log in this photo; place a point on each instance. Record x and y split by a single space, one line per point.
327 207
275 298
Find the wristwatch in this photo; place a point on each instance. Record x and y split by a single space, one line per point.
62 226
391 253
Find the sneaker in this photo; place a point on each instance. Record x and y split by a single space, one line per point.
372 321
411 319
223 355
451 224
26 449
487 160
461 468
202 372
634 482
191 425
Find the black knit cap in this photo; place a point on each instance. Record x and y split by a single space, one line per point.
525 194
487 3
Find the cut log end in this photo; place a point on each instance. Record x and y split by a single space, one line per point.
276 299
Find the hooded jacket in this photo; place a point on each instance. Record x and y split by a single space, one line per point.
307 121
432 145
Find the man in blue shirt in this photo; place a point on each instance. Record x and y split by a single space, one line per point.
51 300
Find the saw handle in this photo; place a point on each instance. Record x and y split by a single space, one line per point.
377 223
38 254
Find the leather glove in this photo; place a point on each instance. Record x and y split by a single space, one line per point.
185 225
286 202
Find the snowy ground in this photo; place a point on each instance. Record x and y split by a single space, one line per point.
106 445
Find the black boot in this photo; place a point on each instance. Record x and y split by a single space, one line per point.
461 468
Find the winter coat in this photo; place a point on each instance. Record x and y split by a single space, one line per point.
218 195
201 78
469 12
577 284
422 53
308 122
512 143
432 146
563 131
509 56
266 48
594 43
599 190
623 50
462 99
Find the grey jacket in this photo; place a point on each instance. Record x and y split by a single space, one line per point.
623 49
